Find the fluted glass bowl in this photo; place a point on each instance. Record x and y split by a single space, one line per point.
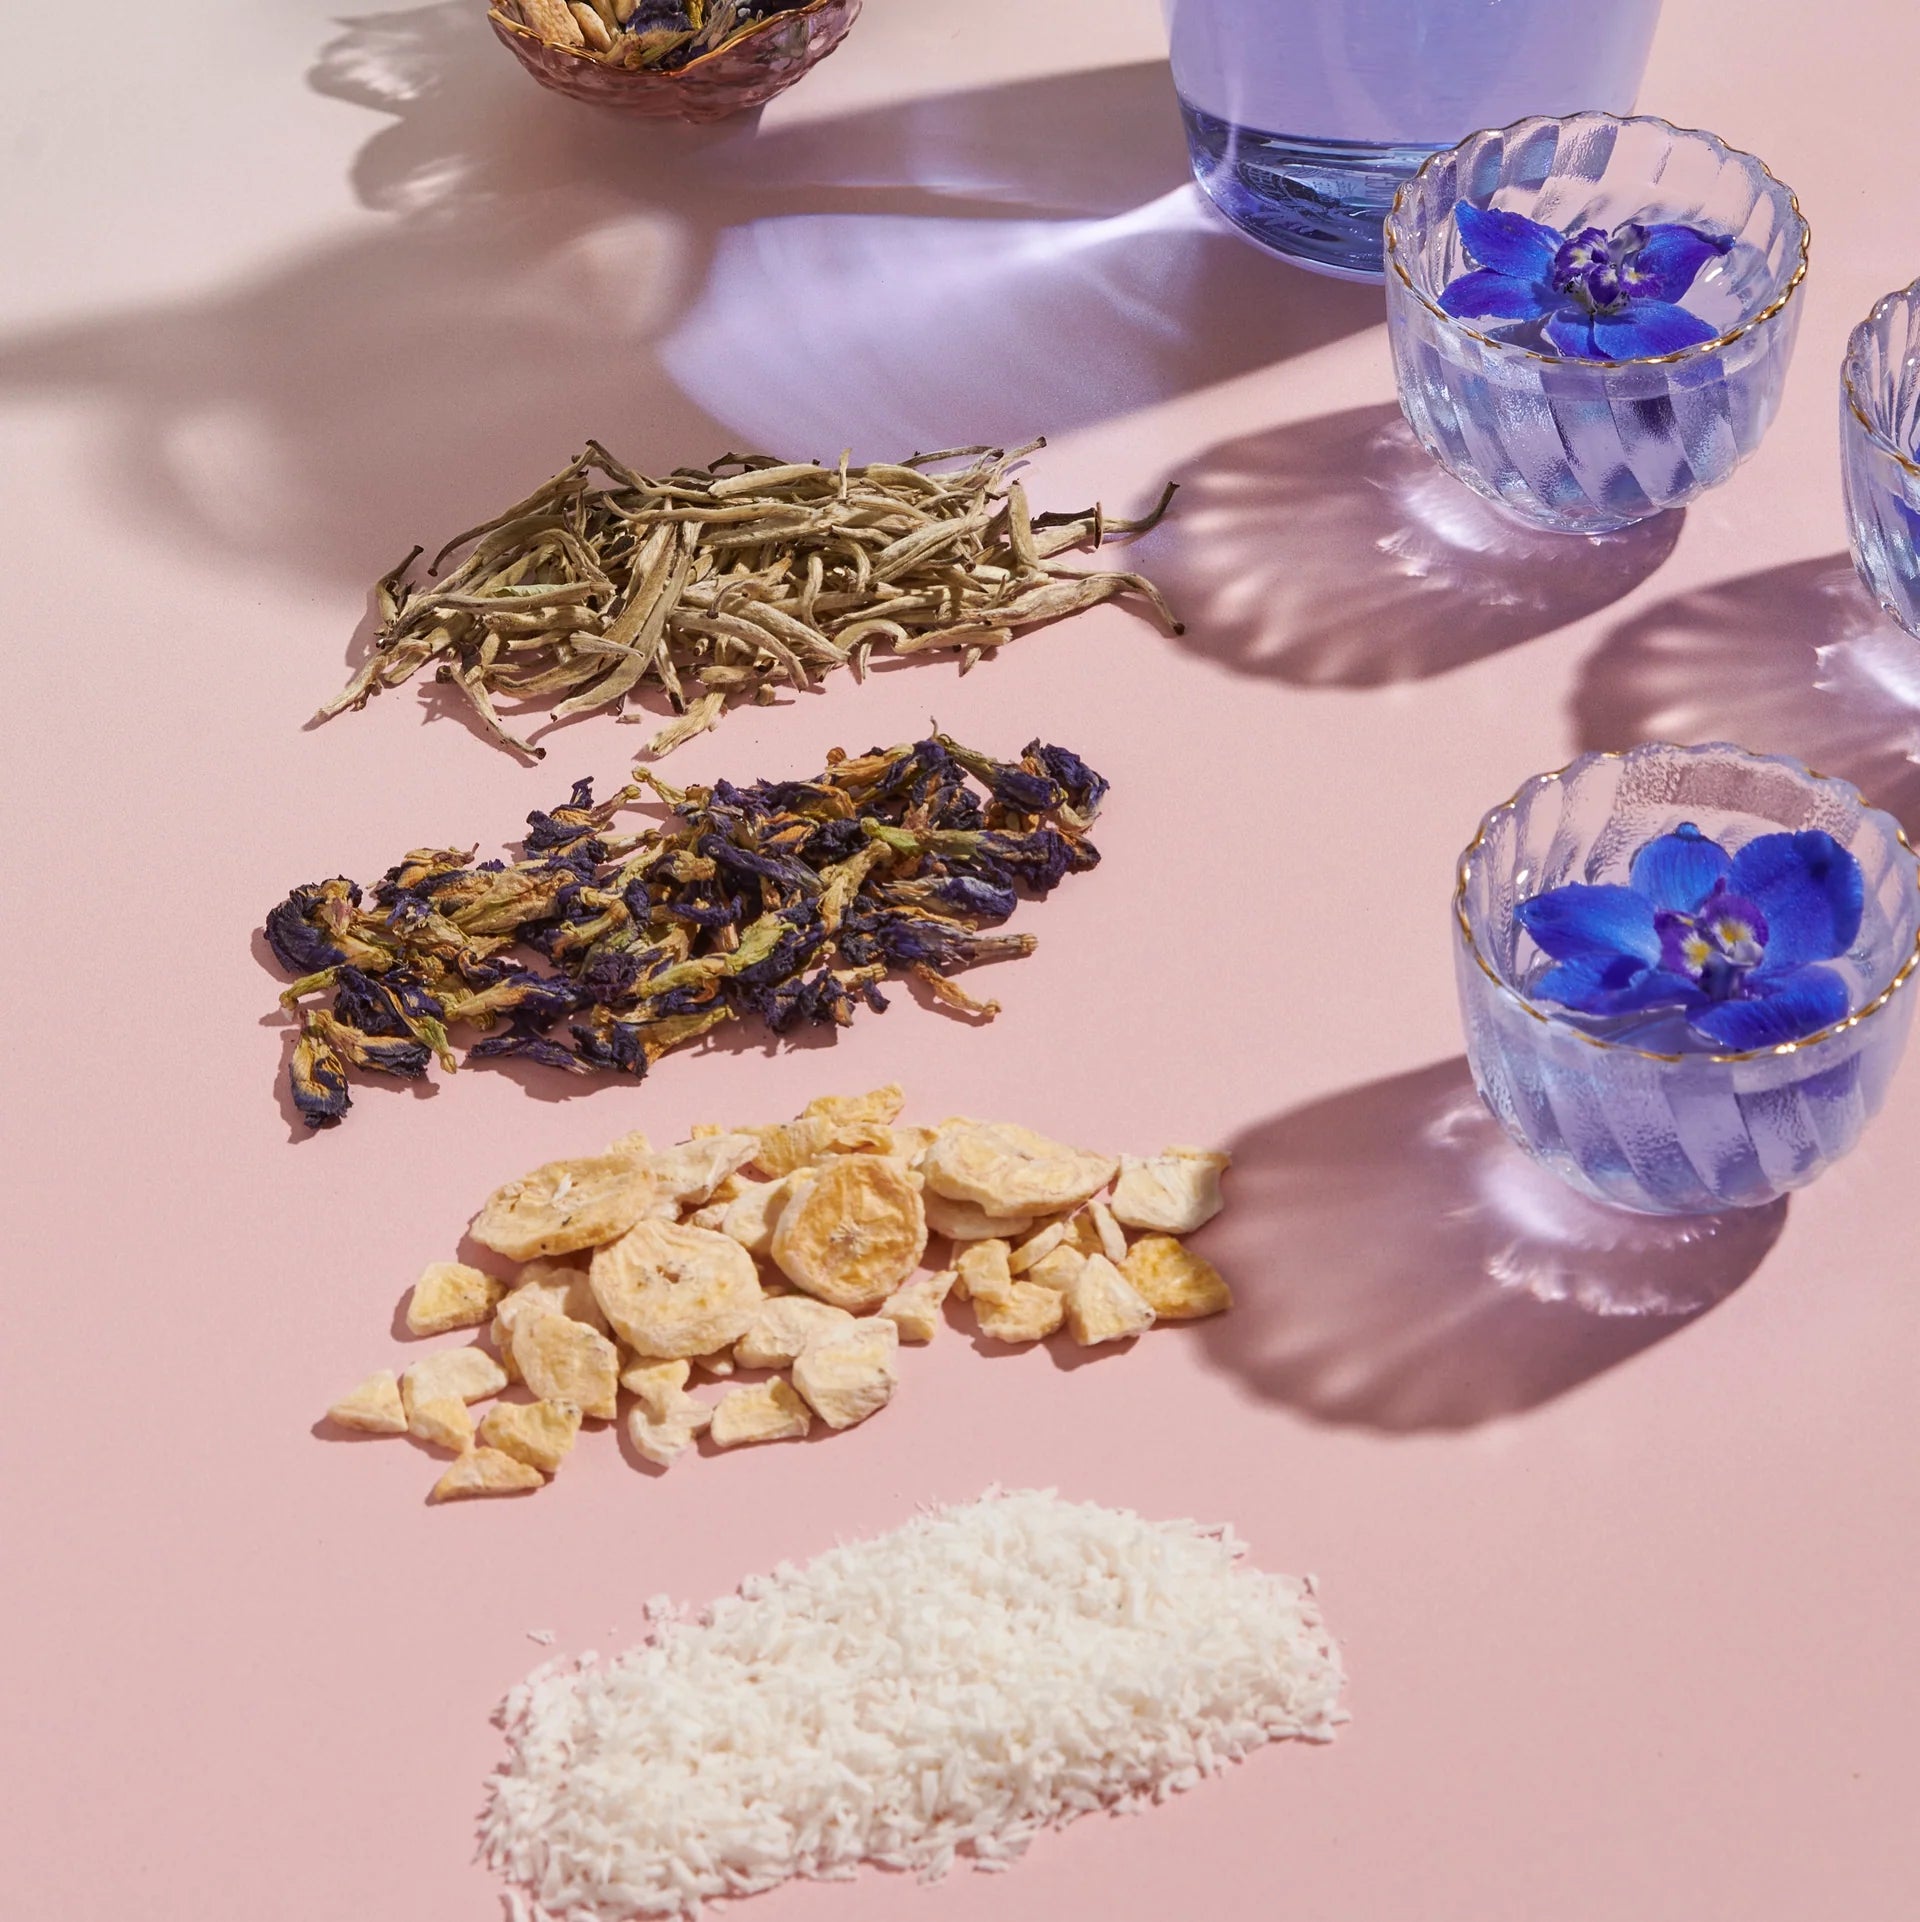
747 72
1880 452
1588 446
1677 1134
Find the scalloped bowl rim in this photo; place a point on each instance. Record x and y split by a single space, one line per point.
1558 1023
1856 348
1700 349
693 66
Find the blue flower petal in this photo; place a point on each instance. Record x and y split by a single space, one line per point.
1573 923
1786 1008
1508 243
1678 870
1486 292
1671 258
1648 327
1811 891
1570 332
1614 984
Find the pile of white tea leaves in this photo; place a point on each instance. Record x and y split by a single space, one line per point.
722 584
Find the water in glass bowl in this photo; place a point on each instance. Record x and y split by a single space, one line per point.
1304 116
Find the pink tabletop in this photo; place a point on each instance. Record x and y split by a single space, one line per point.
1626 1600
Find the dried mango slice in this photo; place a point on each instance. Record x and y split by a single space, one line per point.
878 1104
565 1205
451 1295
855 1234
672 1291
848 1376
1180 1285
486 1471
374 1408
1008 1170
1174 1191
962 1221
768 1411
563 1360
1027 1312
784 1327
753 1214
442 1421
915 1308
539 1433
1102 1305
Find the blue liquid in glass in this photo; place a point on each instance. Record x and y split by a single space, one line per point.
1304 116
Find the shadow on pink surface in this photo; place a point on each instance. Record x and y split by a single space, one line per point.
1398 1264
1796 660
1335 552
990 263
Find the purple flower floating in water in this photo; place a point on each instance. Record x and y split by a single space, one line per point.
1593 295
1731 940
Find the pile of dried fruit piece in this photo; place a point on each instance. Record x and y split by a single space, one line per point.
795 1249
787 900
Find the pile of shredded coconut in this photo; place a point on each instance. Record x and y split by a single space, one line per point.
948 1689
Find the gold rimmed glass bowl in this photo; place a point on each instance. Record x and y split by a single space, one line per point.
1880 452
1683 1132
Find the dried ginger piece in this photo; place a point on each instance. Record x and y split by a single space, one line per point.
539 1433
882 1105
1180 1285
783 1327
564 1360
486 1471
672 1291
848 1376
915 1308
464 1374
565 1205
767 1411
1026 1312
1058 1270
688 1175
982 1272
443 1421
962 1221
854 1234
451 1295
1102 1305
1174 1192
1007 1169
374 1408
752 1215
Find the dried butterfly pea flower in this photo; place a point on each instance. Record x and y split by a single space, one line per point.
603 949
719 585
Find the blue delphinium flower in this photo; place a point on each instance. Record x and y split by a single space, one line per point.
1593 295
1733 941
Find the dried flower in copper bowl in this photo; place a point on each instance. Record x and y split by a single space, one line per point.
694 59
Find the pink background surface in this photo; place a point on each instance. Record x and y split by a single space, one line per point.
1627 1603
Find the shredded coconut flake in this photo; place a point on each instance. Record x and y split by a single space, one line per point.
944 1691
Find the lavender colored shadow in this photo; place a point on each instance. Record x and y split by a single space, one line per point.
1398 1264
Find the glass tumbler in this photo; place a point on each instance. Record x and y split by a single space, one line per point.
1690 1133
1880 452
1303 116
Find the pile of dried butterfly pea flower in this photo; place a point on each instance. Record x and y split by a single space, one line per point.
662 35
786 900
722 584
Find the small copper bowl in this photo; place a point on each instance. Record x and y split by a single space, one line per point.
747 72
